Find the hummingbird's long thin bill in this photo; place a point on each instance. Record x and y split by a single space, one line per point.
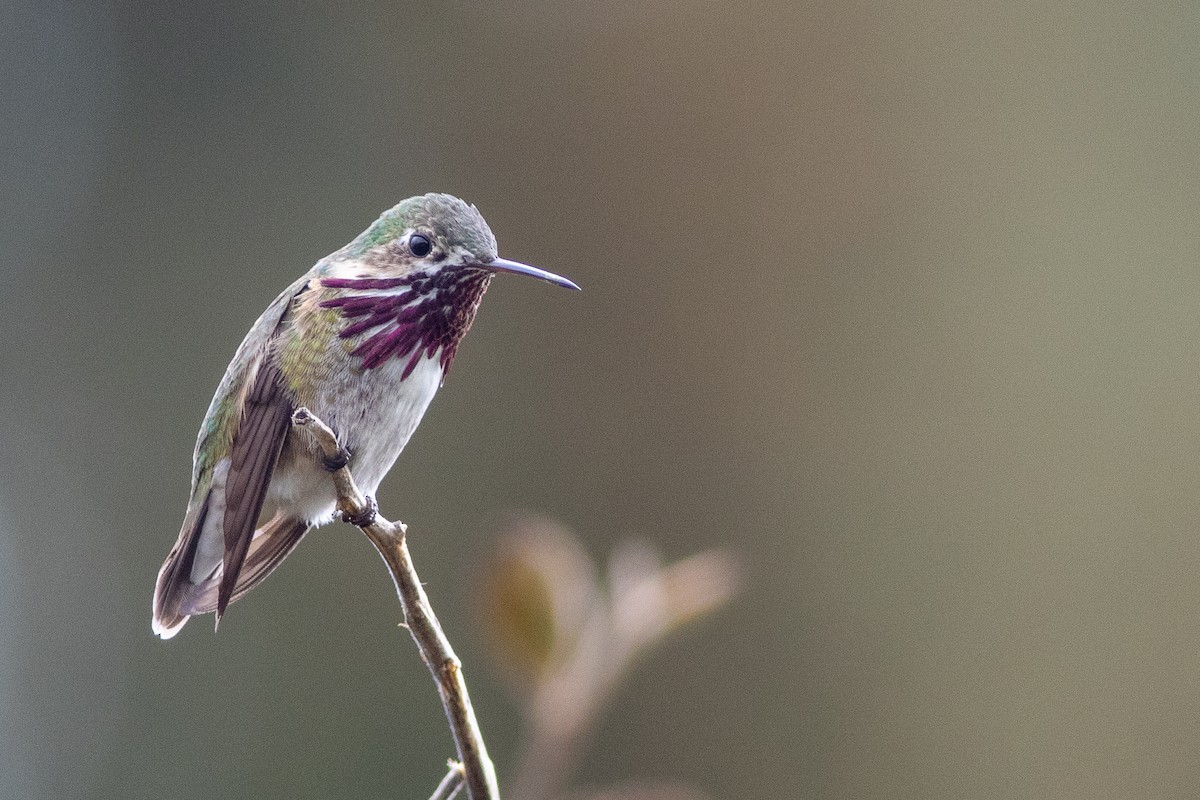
517 268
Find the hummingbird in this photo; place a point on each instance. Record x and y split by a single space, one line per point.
363 340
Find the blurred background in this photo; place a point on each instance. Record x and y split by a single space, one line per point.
898 304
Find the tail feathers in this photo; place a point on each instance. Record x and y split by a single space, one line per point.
175 575
178 596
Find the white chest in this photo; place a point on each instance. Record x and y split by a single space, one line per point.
376 411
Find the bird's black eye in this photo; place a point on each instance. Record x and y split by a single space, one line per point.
419 245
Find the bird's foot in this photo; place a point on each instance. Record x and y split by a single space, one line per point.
366 516
341 459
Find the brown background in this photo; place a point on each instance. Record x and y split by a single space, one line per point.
903 305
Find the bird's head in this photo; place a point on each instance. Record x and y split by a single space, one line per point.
427 234
409 286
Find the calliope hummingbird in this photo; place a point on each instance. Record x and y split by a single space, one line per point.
363 340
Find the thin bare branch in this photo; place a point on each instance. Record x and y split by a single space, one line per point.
451 784
389 539
646 601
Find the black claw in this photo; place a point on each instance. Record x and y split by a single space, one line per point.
366 517
338 461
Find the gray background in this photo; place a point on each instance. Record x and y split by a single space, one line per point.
900 303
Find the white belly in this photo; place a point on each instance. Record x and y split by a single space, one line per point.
374 415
